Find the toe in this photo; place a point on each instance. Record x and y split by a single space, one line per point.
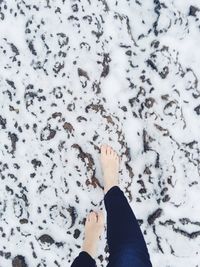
88 217
108 149
113 153
101 217
103 148
93 217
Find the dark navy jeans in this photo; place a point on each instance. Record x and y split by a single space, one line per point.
126 243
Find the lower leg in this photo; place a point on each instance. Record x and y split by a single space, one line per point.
122 226
123 230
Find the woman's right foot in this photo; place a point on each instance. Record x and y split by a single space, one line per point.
110 167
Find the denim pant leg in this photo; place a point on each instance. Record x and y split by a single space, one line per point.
126 243
84 259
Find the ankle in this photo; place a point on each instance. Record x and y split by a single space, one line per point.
109 186
90 250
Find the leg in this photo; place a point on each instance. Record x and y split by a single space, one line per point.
126 243
93 229
125 240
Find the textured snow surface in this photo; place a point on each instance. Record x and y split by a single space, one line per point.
74 75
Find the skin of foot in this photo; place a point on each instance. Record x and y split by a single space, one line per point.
95 220
93 228
110 166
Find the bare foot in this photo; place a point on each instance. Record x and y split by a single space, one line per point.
110 166
93 229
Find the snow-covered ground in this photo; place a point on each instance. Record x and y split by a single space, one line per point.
74 75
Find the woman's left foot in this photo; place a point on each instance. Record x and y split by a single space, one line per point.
93 229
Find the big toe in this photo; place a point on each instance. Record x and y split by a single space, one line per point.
93 217
103 149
